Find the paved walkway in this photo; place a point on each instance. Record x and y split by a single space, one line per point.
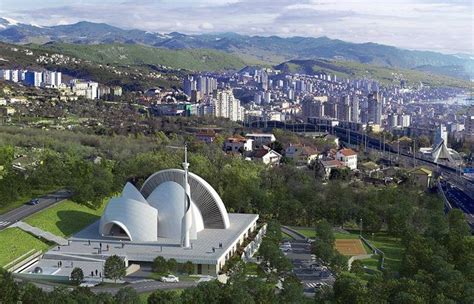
41 233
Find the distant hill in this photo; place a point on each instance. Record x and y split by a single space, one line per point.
386 75
271 49
134 54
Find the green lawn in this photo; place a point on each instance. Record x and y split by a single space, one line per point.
65 218
307 232
311 233
25 198
391 246
285 236
15 243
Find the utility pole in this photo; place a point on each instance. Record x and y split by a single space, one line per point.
414 152
360 233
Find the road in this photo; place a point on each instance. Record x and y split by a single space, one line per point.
459 199
139 286
25 210
307 270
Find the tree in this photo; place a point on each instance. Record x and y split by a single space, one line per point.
9 291
77 275
159 265
338 262
188 267
292 291
127 295
357 267
324 232
164 297
349 289
114 268
32 294
172 265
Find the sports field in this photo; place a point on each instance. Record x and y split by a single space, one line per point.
350 247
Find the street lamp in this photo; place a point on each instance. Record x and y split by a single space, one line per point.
360 233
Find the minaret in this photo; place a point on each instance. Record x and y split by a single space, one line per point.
187 220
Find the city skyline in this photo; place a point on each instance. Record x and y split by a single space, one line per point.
437 25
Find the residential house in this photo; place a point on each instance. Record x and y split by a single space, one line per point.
267 156
207 136
261 139
348 157
326 166
301 154
238 143
422 177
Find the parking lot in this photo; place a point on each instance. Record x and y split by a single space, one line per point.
305 266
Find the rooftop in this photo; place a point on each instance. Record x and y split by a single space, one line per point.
347 152
200 252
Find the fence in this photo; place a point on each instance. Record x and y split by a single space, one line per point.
375 250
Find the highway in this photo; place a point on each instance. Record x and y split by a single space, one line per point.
25 210
459 199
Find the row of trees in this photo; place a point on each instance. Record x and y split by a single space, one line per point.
324 247
161 265
14 292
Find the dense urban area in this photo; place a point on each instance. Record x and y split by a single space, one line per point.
358 188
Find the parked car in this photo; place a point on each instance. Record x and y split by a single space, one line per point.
89 284
169 279
33 202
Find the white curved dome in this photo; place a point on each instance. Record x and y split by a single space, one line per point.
203 196
168 199
137 219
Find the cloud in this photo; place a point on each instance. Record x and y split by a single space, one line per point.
440 25
206 26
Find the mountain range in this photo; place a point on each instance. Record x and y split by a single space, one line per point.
272 49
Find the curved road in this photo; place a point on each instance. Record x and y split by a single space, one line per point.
25 210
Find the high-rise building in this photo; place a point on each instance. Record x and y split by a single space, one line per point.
355 108
441 134
469 124
264 80
375 108
15 75
189 85
404 120
33 78
227 106
5 74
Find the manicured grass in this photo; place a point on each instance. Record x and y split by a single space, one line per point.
371 263
307 232
25 198
14 243
311 233
65 218
391 246
285 236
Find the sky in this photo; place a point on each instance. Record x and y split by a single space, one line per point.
445 26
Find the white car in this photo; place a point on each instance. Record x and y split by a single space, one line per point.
89 284
169 279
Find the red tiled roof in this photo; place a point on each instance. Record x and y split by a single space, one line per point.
347 152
